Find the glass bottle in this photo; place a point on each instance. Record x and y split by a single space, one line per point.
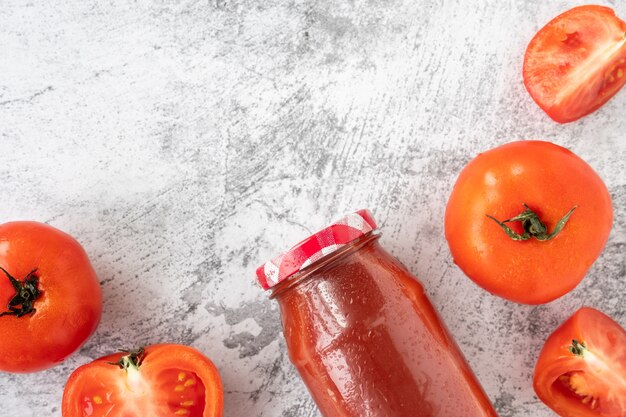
362 333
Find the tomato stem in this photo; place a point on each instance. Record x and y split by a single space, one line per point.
532 224
577 348
26 293
131 361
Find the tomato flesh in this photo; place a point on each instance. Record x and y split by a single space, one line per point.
172 380
577 62
589 384
172 392
185 392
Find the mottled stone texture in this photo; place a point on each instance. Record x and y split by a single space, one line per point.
183 143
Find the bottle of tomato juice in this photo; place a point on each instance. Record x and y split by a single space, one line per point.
362 333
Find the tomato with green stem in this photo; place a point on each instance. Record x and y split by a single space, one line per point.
581 370
527 220
50 299
164 380
577 62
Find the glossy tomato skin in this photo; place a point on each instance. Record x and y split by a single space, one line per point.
68 309
172 380
551 180
577 62
600 373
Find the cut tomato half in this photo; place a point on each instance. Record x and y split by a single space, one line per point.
577 62
158 381
581 371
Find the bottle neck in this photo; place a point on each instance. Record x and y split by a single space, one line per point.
323 263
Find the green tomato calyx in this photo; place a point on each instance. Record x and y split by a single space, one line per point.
26 292
532 225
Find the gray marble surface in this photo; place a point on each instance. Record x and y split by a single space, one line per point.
183 143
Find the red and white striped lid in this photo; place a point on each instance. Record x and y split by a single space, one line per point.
314 247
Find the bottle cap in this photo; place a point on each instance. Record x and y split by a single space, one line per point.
315 247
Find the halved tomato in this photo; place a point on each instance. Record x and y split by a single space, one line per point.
581 371
158 381
577 62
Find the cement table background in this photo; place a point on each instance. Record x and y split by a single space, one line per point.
183 143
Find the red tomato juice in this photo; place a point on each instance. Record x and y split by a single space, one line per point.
368 343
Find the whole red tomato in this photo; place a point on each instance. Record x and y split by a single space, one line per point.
577 62
50 299
527 220
581 371
158 381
